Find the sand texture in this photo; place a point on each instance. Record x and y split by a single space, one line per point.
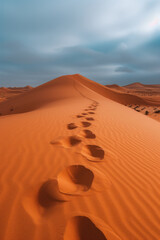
76 164
150 94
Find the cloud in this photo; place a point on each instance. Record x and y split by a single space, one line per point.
104 40
123 69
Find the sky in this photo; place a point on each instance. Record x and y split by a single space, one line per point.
108 41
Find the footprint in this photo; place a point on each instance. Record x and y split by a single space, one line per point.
84 114
79 116
89 134
75 180
49 193
68 141
71 126
86 124
93 152
90 119
91 112
82 228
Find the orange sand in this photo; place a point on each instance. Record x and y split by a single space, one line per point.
76 165
150 94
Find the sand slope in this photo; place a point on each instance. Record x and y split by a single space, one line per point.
62 88
149 93
76 164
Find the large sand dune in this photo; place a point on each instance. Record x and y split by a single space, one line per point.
77 164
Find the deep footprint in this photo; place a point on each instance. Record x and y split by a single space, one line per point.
79 116
49 194
73 140
93 152
68 141
71 126
82 228
75 180
91 112
89 134
90 119
86 124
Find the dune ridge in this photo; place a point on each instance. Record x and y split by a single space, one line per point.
59 182
52 91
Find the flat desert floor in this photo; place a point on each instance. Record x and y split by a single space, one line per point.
77 164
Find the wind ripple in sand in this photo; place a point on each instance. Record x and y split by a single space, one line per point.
82 228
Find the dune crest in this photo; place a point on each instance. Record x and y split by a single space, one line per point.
75 163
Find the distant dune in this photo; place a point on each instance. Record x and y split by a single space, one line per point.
138 85
76 164
149 93
6 93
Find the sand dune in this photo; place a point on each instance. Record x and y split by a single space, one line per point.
62 88
78 164
149 93
6 93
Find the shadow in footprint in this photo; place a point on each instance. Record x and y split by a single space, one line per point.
89 134
68 141
86 124
93 152
90 119
49 194
71 126
79 116
91 112
84 114
82 228
75 180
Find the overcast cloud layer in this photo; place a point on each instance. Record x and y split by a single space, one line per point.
109 41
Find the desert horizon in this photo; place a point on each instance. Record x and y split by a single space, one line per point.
148 103
80 120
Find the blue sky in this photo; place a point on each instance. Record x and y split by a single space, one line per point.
108 41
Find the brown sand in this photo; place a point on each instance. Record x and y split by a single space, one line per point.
63 177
